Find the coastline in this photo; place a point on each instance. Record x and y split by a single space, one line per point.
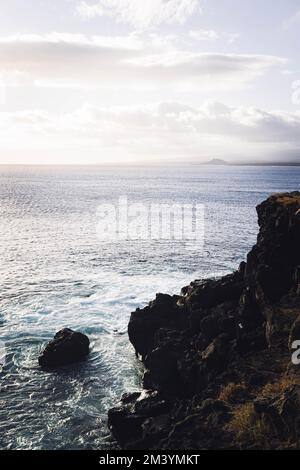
217 358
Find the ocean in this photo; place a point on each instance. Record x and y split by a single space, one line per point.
55 272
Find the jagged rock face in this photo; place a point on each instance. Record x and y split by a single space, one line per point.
137 412
274 261
163 311
234 332
170 332
66 347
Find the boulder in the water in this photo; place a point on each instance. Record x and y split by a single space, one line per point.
66 347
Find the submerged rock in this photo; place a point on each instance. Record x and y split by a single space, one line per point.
66 347
221 337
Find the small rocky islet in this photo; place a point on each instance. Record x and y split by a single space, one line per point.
67 347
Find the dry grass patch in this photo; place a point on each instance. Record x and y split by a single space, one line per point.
285 198
247 425
232 392
279 387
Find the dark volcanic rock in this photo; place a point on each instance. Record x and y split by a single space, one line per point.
212 292
274 260
217 358
133 420
67 347
294 333
162 312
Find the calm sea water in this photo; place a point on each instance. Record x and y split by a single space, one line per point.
56 273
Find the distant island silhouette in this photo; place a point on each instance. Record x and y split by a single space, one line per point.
216 161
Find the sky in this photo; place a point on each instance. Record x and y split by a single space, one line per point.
117 81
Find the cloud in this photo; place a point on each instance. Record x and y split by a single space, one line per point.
292 21
212 35
204 35
232 37
164 130
141 14
134 61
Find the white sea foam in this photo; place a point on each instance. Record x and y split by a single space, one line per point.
55 273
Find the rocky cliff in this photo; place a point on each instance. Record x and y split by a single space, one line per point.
218 368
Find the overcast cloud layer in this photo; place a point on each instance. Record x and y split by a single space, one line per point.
124 80
130 61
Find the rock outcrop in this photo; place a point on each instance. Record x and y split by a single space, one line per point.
218 370
66 347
